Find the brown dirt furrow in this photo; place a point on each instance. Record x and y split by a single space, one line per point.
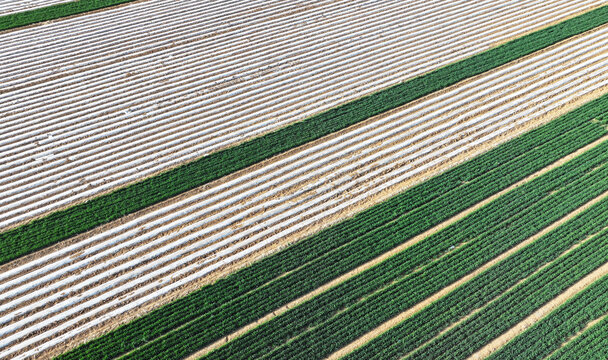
268 161
68 293
412 242
238 227
385 143
351 193
512 287
391 191
102 328
587 327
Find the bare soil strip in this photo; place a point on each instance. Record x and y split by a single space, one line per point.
587 327
115 322
474 312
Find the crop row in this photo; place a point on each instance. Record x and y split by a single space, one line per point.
428 323
10 7
591 344
90 297
226 297
129 147
199 244
259 232
63 224
103 143
547 335
52 12
154 266
511 308
411 257
399 296
335 300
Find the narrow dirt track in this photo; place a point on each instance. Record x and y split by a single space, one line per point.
406 314
540 313
378 331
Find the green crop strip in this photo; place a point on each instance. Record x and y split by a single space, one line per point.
546 336
511 308
244 297
258 341
290 335
591 344
428 323
79 218
53 12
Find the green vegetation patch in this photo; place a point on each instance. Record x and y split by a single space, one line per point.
590 345
438 316
29 17
546 336
334 319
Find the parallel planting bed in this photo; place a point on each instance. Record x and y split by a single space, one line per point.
304 180
135 98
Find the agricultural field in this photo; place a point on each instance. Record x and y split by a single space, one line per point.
16 7
323 179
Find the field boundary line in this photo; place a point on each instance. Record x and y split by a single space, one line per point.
479 309
107 327
586 10
57 11
589 325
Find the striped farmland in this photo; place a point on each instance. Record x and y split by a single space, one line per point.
303 180
109 144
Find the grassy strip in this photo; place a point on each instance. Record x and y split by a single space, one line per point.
428 323
52 12
511 308
591 344
519 158
546 336
399 296
77 219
